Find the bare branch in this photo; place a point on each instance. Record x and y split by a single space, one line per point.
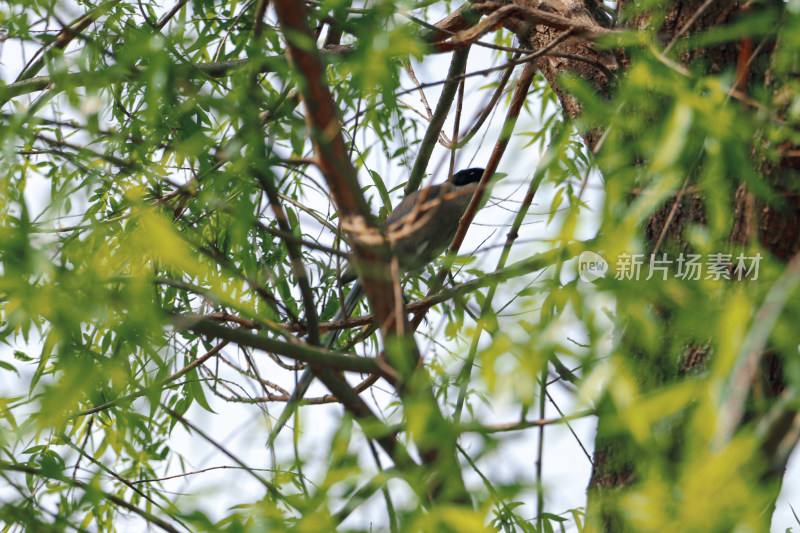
300 352
457 66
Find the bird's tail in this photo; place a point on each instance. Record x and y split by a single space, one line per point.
350 303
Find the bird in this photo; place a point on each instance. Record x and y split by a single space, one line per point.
419 229
425 222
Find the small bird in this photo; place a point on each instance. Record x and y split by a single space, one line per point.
420 228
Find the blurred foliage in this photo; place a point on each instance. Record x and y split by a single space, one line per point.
129 199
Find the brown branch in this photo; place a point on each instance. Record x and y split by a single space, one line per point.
508 127
66 36
475 427
483 72
311 245
319 400
299 352
410 71
321 114
502 14
456 21
172 12
583 59
479 121
471 35
368 245
517 102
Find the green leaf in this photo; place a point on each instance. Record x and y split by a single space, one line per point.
22 356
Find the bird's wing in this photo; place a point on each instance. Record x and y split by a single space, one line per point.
407 205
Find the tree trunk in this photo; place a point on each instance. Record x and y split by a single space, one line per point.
618 459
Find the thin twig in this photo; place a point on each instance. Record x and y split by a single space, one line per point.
569 426
476 427
513 112
156 386
689 24
295 256
457 68
272 489
410 71
540 452
463 377
90 489
456 126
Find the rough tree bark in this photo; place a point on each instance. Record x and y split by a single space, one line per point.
777 230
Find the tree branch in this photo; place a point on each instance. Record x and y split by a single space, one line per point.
89 489
500 14
457 67
299 352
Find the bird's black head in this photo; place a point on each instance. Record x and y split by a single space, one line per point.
467 176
